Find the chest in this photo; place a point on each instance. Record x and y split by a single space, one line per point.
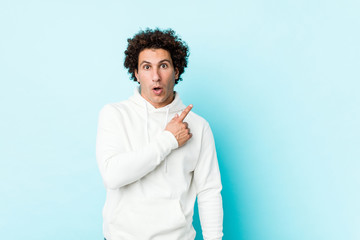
139 130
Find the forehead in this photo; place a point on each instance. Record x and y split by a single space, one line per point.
154 55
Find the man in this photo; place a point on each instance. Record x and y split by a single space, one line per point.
155 156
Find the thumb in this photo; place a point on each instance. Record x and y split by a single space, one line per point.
176 116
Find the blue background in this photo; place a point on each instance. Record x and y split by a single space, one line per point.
277 80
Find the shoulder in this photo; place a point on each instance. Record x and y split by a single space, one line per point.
197 120
116 112
200 128
116 107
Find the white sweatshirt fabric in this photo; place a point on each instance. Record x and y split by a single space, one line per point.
151 183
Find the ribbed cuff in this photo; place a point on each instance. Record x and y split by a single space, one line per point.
172 140
167 142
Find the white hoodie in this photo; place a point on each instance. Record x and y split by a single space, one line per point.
152 183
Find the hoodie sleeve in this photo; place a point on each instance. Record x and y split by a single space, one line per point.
208 186
118 167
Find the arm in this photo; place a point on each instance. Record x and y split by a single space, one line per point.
208 186
119 167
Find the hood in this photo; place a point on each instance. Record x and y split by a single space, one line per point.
175 106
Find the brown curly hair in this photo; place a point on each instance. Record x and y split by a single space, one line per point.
156 38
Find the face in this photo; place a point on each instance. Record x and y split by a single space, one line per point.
156 75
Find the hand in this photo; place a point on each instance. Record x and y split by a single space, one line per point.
179 128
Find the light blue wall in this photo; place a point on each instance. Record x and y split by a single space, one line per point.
277 80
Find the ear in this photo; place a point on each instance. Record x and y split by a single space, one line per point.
176 73
137 75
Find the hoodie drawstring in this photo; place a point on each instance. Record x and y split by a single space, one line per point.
147 128
165 123
146 124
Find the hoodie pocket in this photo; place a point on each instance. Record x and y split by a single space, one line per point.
149 218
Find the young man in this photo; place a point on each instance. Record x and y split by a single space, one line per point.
154 154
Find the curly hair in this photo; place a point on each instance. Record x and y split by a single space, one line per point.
156 39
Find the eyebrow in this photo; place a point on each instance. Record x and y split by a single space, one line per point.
165 60
161 61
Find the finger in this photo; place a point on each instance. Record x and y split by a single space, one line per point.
186 125
185 112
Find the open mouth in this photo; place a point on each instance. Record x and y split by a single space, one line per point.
157 90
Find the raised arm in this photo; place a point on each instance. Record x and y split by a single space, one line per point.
119 167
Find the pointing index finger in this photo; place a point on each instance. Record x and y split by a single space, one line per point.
185 112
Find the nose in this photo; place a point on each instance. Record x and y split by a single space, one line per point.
155 75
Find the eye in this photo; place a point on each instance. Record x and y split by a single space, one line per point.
164 65
146 67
